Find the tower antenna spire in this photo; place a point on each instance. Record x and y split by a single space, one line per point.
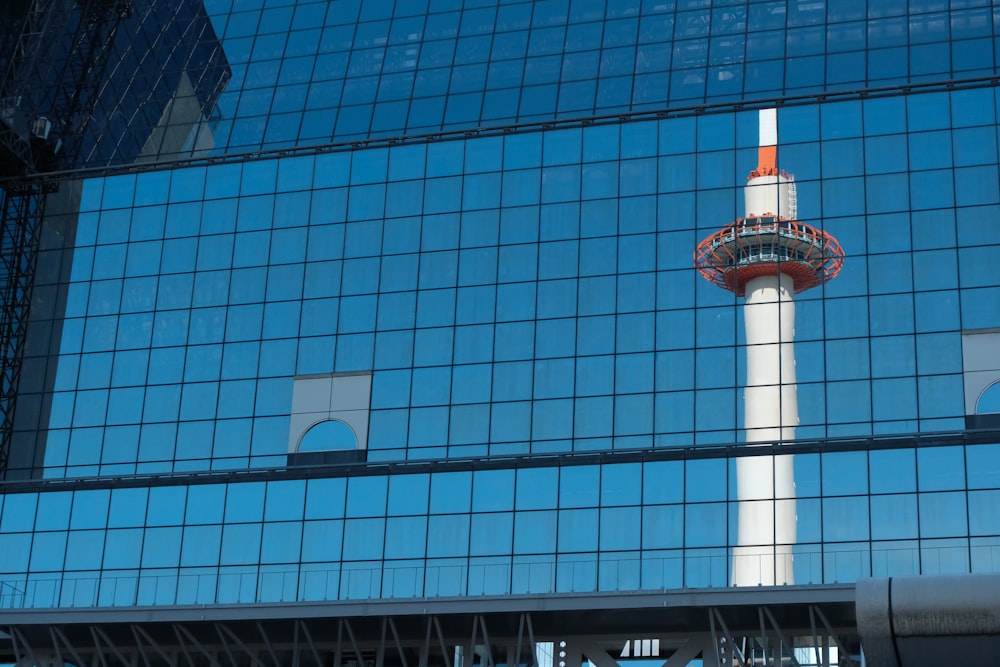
767 151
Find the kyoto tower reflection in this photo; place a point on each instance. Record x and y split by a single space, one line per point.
767 257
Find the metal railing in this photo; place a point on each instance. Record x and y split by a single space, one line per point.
519 575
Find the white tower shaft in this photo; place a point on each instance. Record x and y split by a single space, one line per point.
769 195
766 484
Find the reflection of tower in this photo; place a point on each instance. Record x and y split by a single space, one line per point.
767 257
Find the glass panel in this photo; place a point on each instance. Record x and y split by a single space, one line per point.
893 470
621 484
53 510
201 545
18 512
579 486
450 492
894 517
366 496
845 519
989 401
405 537
285 500
705 525
321 540
363 539
535 532
578 530
492 490
663 482
245 502
844 473
90 509
941 468
491 534
325 498
621 528
408 494
943 514
983 466
537 488
281 542
241 544
705 480
329 435
205 504
166 506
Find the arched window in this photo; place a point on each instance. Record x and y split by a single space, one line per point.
989 400
330 435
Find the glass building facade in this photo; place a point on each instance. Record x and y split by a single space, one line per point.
421 319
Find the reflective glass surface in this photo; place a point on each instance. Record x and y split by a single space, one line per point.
316 72
488 214
525 304
579 527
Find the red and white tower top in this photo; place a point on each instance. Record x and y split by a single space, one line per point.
769 240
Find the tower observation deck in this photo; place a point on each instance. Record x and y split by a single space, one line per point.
767 245
767 257
769 240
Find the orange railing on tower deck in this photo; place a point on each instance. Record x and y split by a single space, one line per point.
767 245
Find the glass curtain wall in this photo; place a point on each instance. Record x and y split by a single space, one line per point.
485 215
517 294
581 526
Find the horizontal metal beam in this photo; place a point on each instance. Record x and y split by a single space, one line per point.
828 594
679 453
680 111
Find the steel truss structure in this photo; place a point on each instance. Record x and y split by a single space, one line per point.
21 210
51 83
717 627
49 88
